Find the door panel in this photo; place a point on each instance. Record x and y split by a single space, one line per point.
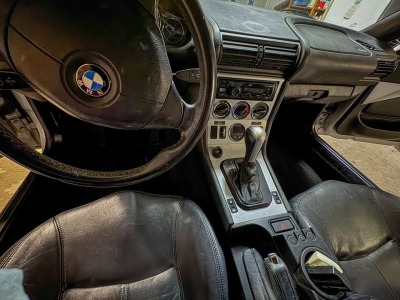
374 116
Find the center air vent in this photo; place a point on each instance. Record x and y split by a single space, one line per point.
279 56
238 54
271 56
384 69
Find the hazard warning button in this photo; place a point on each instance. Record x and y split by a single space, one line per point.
282 225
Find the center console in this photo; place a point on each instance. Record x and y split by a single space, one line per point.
275 258
242 102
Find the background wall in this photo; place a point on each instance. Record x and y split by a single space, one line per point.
367 13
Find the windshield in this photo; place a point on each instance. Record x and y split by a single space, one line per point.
354 14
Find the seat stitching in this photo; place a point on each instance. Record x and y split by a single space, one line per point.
300 212
379 204
174 247
259 271
58 236
116 194
215 250
120 285
383 277
63 255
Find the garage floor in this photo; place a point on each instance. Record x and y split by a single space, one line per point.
11 177
379 163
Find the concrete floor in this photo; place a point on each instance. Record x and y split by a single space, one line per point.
11 177
378 162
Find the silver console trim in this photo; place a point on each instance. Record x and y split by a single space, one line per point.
244 215
233 149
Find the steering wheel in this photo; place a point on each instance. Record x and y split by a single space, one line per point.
105 62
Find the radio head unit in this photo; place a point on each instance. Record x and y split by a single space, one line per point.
250 90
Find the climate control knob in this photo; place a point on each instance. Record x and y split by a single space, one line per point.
241 110
222 109
260 111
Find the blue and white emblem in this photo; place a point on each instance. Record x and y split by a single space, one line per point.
92 80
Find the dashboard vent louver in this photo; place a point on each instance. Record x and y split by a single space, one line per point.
281 57
238 54
384 69
266 55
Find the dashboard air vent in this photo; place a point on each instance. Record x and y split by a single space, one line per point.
370 47
262 55
280 56
384 69
238 54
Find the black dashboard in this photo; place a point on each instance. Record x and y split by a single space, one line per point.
256 41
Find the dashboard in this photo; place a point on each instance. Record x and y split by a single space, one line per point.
264 54
260 51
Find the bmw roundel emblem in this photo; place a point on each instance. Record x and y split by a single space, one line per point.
93 80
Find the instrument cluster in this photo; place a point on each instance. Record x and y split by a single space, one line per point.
173 27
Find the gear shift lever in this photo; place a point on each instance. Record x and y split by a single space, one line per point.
245 177
254 140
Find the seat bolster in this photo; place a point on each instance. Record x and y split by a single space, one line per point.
37 255
376 274
199 258
349 217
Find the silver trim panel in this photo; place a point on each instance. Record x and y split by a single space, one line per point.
232 149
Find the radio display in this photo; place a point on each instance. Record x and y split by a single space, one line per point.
238 89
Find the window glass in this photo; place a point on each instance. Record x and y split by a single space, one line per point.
354 14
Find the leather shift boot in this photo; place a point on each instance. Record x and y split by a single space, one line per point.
248 183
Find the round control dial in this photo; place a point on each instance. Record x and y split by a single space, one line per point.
260 111
222 109
241 110
236 91
236 132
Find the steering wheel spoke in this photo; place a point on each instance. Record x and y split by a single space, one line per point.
172 112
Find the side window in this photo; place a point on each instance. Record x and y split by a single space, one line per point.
354 14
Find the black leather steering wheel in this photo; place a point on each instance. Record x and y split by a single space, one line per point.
55 44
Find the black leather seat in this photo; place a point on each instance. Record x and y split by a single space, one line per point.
361 227
124 246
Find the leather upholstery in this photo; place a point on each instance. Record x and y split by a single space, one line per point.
361 227
249 183
124 246
259 280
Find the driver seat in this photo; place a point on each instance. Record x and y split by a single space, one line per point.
127 245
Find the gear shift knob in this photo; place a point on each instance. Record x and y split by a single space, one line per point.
254 140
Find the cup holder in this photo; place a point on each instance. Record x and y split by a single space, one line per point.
327 282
